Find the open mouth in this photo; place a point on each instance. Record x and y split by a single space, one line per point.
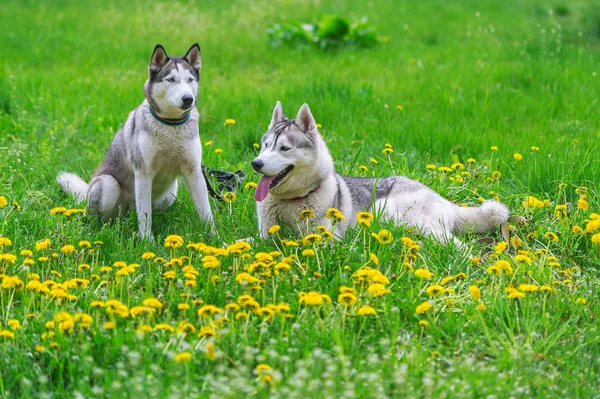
267 183
280 176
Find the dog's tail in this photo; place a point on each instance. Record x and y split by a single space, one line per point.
481 219
73 184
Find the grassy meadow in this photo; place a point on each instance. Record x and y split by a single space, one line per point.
477 99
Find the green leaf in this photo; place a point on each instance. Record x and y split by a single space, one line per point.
332 27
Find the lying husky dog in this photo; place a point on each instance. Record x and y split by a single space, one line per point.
158 142
298 173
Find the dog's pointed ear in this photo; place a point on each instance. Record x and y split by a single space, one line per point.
193 56
159 58
305 120
278 115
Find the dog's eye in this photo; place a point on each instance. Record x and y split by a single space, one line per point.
190 79
171 80
284 148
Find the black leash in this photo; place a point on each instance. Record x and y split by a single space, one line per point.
227 181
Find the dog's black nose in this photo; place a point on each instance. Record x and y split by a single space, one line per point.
187 100
257 164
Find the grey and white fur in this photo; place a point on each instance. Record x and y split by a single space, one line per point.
298 173
158 142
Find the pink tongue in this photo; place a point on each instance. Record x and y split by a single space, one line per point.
263 188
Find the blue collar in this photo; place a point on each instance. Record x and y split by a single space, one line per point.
170 122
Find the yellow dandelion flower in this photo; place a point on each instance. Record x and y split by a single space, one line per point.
218 150
110 325
383 237
67 249
387 151
274 229
431 166
581 301
494 148
311 239
58 210
209 310
494 270
377 290
335 215
306 214
26 252
209 349
363 168
592 225
250 185
207 331
373 258
6 333
582 203
183 357
173 241
8 259
347 290
551 236
311 298
528 288
230 121
434 290
241 315
347 299
516 295
424 307
500 247
308 252
560 211
229 197
475 292
523 258
14 324
517 156
366 311
596 238
364 218
423 273
153 303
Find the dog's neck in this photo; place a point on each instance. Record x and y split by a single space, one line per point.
167 121
314 190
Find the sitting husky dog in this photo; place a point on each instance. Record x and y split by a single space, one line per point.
298 173
158 142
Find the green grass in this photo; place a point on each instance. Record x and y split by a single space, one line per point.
469 75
